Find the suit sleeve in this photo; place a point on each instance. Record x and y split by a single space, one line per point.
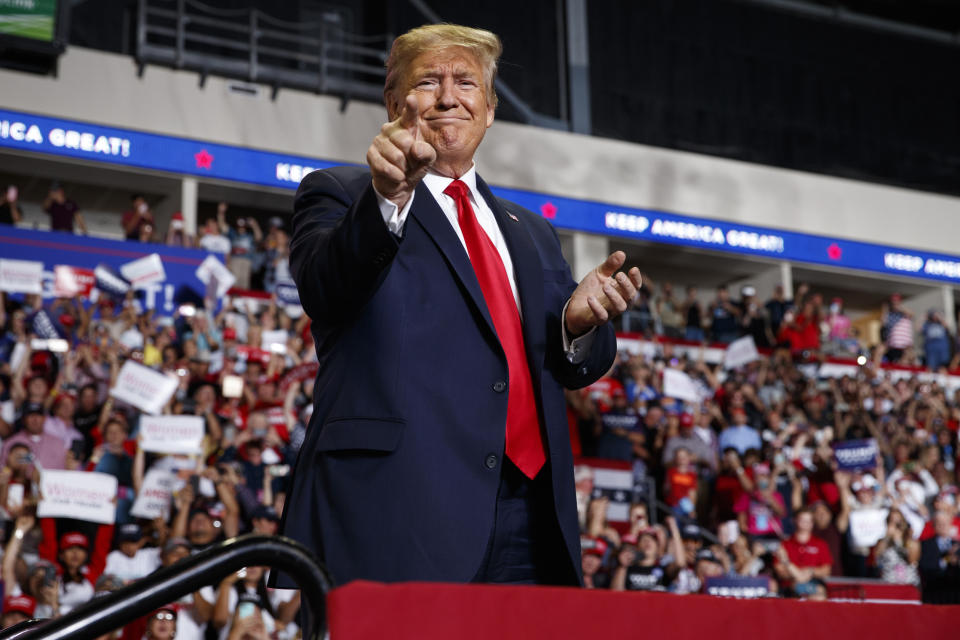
602 351
340 247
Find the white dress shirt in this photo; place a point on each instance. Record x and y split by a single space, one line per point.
577 349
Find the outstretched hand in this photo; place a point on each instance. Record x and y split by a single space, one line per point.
602 295
398 156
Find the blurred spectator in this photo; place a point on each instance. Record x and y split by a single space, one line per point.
776 307
638 564
669 311
210 237
162 624
276 257
75 588
753 318
48 450
839 335
803 557
244 237
132 560
639 315
940 562
64 214
9 207
897 328
177 235
724 317
17 609
693 316
759 511
897 553
936 341
738 434
594 577
138 219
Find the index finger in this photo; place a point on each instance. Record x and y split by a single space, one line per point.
410 114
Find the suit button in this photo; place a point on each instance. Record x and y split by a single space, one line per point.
490 462
583 371
499 386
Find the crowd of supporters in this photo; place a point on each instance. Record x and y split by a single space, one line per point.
747 482
744 480
247 372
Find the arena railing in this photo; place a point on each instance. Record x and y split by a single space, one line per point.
250 45
107 613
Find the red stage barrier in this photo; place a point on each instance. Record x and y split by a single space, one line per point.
428 611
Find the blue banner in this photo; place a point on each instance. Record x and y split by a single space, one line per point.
856 455
106 256
153 151
187 156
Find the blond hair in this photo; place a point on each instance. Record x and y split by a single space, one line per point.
483 44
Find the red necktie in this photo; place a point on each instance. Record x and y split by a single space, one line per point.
525 446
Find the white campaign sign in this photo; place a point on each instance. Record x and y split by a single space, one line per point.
153 501
677 384
21 276
268 338
212 266
143 387
171 434
740 352
867 526
84 495
144 271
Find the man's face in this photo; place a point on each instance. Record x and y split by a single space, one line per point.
454 108
265 526
174 555
34 423
200 529
590 564
805 522
88 399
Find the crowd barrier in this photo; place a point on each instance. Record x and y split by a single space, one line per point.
429 611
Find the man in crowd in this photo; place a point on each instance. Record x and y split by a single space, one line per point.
136 218
64 213
446 324
804 557
9 207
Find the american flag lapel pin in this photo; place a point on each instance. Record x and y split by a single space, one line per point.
513 217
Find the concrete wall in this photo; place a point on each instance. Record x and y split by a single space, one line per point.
104 88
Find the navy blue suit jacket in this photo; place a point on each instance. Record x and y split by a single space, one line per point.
394 479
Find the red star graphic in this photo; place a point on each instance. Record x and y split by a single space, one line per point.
834 252
548 210
204 159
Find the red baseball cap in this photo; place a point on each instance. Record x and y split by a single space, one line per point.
22 604
686 420
74 539
594 546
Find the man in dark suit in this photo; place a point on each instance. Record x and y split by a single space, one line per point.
940 562
446 325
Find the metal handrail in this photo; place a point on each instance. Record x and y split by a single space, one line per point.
253 46
107 613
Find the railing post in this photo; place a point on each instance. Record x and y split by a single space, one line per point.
253 45
141 25
181 32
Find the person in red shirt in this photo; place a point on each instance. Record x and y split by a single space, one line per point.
804 557
681 482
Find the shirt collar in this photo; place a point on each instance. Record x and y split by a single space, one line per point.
437 182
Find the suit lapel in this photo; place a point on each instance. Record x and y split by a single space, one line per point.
528 273
427 212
